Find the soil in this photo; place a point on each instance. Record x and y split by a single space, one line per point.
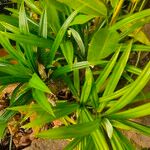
40 144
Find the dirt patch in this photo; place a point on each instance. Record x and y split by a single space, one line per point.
141 141
39 144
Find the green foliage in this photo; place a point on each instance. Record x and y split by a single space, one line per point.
102 48
87 46
95 7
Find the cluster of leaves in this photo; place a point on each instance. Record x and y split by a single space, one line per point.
87 45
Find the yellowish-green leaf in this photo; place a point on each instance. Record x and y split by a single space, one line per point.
140 111
108 126
103 43
114 3
81 19
142 38
133 91
94 7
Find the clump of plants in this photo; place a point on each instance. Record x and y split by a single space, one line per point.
81 47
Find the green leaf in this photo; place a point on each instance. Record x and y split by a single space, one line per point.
139 111
130 125
43 24
81 19
94 96
131 18
31 5
69 68
133 69
125 141
87 86
97 135
5 80
19 90
129 29
3 126
116 75
95 7
42 100
137 47
79 65
30 108
72 131
29 39
142 38
15 70
108 126
79 41
60 35
142 96
106 71
114 3
37 83
18 55
59 6
133 91
23 24
138 127
53 19
10 27
115 95
118 70
68 51
103 43
73 144
83 142
32 24
116 142
76 79
9 19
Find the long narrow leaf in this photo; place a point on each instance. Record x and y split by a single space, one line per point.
87 86
136 87
60 35
29 39
117 72
72 131
136 112
79 41
131 18
37 83
42 100
105 73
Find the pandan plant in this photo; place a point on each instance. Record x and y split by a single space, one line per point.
83 46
